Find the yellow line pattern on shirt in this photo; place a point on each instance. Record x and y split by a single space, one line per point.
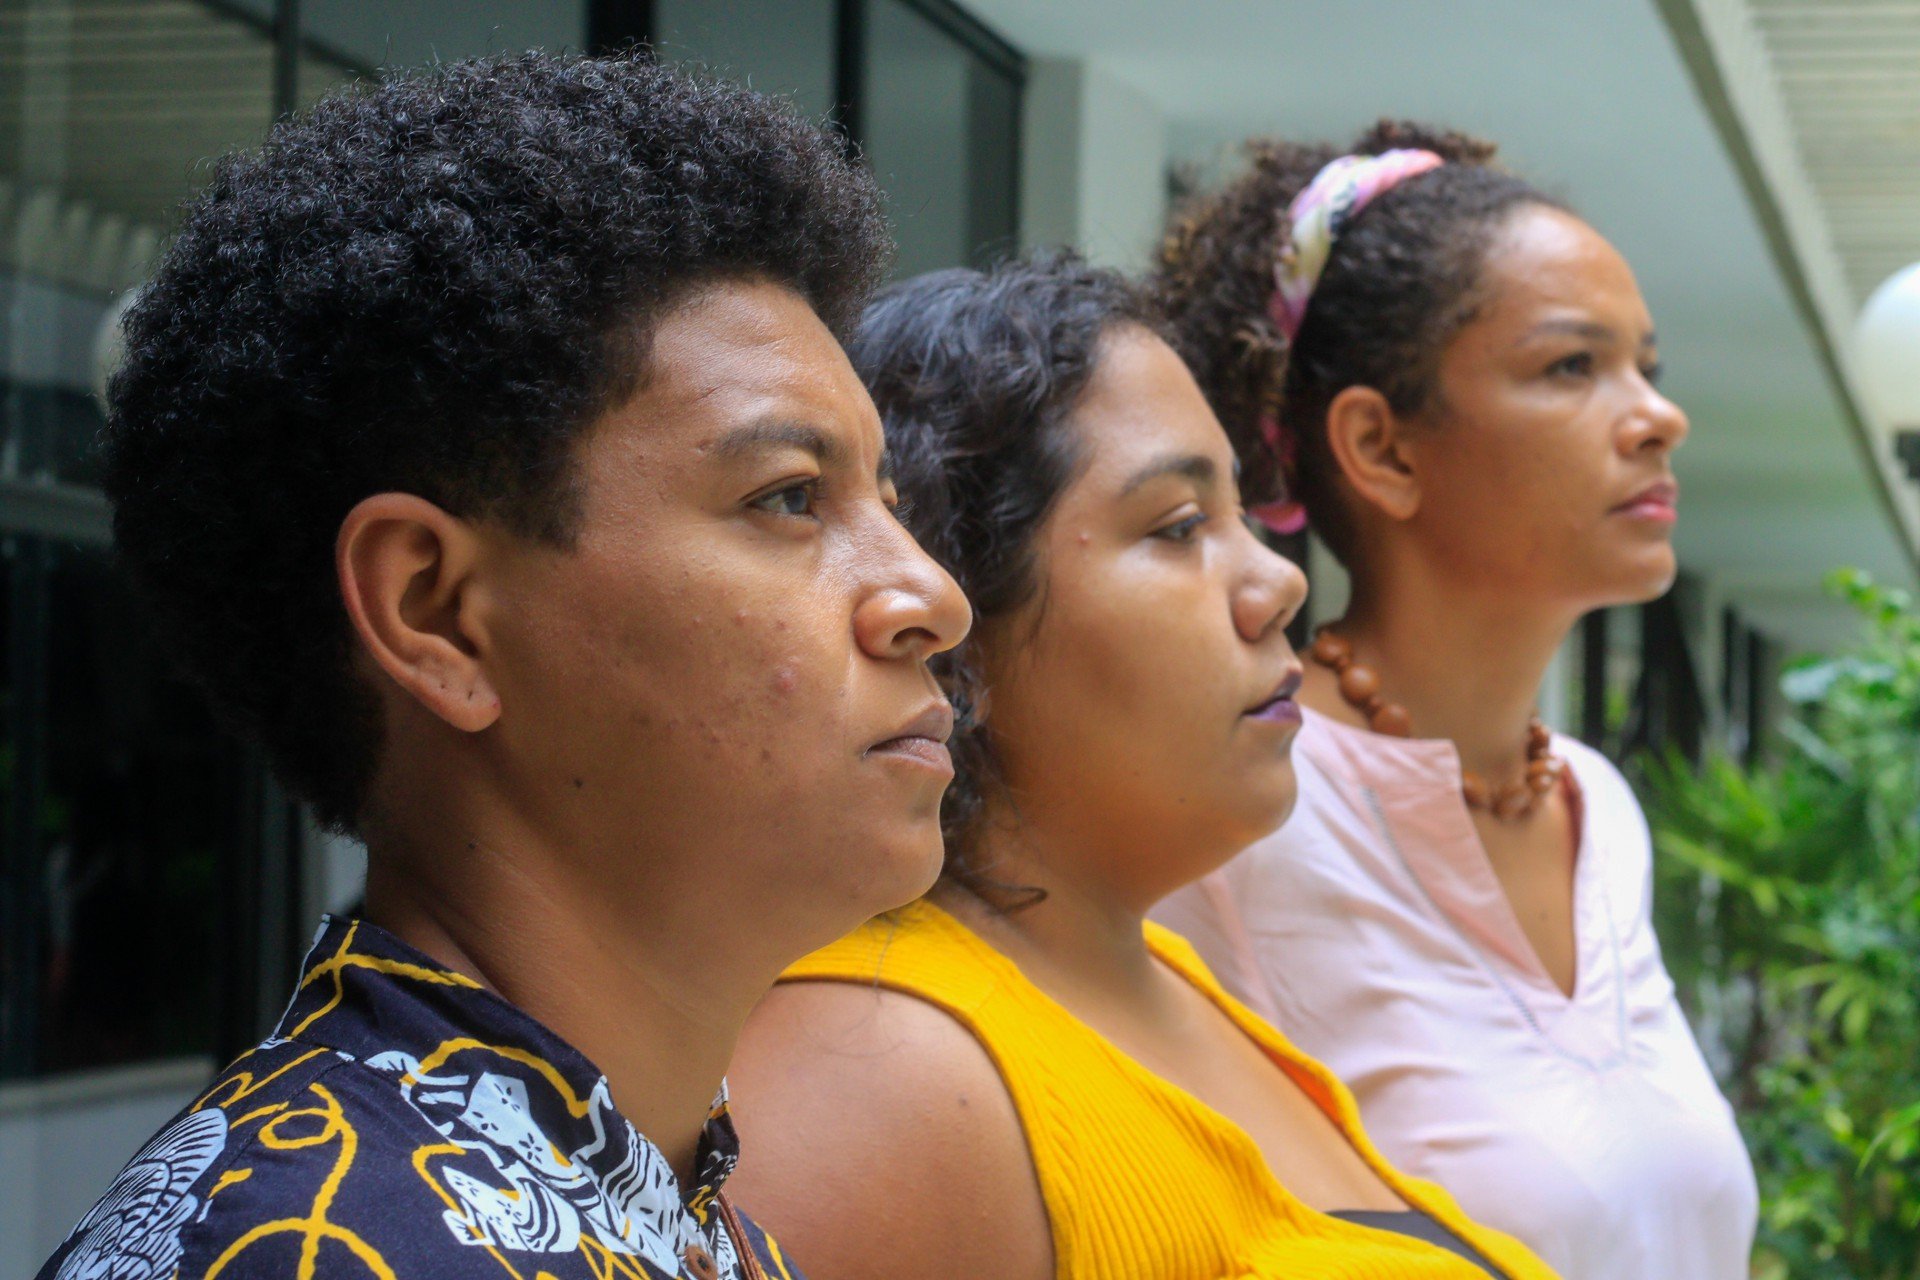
284 1132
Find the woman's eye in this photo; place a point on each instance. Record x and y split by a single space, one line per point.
1652 372
1578 365
1182 530
793 500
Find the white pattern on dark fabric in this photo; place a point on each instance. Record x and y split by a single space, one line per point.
134 1232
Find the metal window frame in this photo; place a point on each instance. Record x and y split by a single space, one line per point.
259 957
980 39
851 48
283 28
1593 679
998 57
618 26
1668 710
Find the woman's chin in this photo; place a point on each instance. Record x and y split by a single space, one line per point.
896 868
1286 810
1635 577
911 866
1653 577
1264 812
1275 819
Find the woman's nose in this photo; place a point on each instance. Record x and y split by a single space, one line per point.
1660 424
914 609
1269 593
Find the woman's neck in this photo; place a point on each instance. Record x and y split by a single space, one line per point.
1466 666
658 1014
1076 933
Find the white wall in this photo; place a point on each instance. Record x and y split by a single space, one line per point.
63 1139
1093 164
333 871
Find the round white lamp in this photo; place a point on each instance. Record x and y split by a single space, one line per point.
1886 346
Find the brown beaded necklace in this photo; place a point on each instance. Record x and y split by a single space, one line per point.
1360 686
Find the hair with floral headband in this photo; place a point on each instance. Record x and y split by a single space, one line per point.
1321 212
1240 266
1315 218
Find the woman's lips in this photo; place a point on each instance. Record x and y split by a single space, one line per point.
1279 708
921 741
1279 711
915 750
1658 503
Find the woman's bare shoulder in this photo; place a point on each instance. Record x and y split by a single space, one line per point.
878 1140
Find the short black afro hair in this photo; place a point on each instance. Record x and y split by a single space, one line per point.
431 285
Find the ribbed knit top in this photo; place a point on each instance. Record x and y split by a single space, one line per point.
1142 1180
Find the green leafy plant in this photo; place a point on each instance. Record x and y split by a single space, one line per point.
1789 906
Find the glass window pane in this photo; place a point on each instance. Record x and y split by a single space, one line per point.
422 31
121 803
778 46
993 162
349 39
940 126
108 111
404 33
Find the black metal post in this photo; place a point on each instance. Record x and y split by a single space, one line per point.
614 26
286 58
29 571
1756 691
1593 679
850 69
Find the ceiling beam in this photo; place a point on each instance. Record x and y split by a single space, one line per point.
1735 81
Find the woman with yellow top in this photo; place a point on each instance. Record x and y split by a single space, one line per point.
1018 1076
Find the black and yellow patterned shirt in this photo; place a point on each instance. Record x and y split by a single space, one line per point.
402 1123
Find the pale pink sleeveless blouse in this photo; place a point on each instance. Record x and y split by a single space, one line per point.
1371 930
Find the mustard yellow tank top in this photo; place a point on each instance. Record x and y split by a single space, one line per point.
1142 1180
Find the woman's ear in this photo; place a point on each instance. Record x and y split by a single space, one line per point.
1368 442
407 576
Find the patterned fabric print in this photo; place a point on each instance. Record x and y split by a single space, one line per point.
1320 212
135 1229
404 1122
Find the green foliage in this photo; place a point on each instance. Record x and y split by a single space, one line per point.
1789 908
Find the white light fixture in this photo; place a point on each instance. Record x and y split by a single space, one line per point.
1886 346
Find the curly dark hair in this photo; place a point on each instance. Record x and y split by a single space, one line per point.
1403 278
432 285
975 375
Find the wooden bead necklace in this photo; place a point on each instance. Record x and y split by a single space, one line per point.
1510 802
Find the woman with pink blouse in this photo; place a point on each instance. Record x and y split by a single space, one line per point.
1453 379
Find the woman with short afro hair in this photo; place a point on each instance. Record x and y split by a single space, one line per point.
1452 380
485 448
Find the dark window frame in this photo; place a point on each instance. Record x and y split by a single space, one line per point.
614 25
256 959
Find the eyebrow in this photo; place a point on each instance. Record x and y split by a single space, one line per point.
793 435
777 434
1591 330
1193 466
